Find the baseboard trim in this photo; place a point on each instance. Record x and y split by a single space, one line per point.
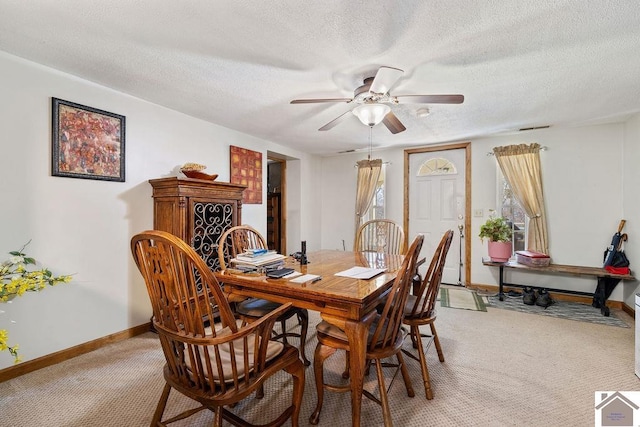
68 353
629 310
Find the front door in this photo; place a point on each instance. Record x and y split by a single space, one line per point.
437 202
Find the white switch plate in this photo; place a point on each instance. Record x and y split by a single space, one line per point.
478 213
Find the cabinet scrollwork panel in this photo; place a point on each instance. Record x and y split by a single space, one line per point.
210 220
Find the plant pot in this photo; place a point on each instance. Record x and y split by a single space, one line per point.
499 251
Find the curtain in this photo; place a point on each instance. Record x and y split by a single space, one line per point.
368 175
520 165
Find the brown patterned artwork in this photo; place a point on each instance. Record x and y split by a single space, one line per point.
87 142
246 169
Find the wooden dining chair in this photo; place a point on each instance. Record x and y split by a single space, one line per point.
237 240
384 340
383 235
380 235
420 310
215 364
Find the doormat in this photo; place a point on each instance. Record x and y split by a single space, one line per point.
462 299
561 309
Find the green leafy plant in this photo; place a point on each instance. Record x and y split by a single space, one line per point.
496 229
17 276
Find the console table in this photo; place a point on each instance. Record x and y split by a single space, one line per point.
575 270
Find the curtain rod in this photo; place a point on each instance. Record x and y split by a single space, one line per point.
384 163
543 148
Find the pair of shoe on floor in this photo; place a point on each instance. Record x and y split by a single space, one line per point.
540 298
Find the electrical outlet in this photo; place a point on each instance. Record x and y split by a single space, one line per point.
478 213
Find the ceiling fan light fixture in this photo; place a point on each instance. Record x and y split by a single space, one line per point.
371 114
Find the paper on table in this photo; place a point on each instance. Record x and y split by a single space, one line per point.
361 272
304 278
292 275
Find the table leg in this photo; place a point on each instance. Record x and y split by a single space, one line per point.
356 331
357 335
501 284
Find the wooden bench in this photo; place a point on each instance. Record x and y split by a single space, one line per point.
574 270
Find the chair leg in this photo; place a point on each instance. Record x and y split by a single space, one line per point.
405 375
384 399
423 367
297 371
283 325
321 354
303 319
217 416
260 392
162 403
436 341
415 331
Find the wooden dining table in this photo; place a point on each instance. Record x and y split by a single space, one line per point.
348 303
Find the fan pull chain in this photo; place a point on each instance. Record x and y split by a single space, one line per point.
370 142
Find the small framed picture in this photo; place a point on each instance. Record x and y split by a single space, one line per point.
87 142
246 169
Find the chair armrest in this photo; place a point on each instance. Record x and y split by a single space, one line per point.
262 326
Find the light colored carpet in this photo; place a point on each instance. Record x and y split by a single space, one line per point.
561 309
502 368
464 299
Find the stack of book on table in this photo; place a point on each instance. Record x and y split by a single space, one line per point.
262 258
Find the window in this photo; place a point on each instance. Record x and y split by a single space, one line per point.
437 166
376 210
510 209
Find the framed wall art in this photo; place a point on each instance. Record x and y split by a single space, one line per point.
246 169
87 142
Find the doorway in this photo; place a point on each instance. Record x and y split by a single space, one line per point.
276 205
438 198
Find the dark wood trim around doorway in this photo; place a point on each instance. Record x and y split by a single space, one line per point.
467 215
282 203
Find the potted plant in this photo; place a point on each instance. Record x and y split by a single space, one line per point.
499 233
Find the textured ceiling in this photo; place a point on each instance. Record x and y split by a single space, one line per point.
519 64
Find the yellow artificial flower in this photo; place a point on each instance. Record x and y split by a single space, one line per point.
15 280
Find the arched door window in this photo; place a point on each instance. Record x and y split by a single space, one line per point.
437 166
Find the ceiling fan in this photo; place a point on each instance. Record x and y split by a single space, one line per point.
373 99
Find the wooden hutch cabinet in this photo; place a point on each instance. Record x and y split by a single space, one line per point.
197 211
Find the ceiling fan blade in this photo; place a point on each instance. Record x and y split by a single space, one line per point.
392 123
313 101
335 121
384 80
431 99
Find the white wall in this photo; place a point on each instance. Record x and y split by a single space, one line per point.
310 219
631 202
84 226
582 174
582 182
